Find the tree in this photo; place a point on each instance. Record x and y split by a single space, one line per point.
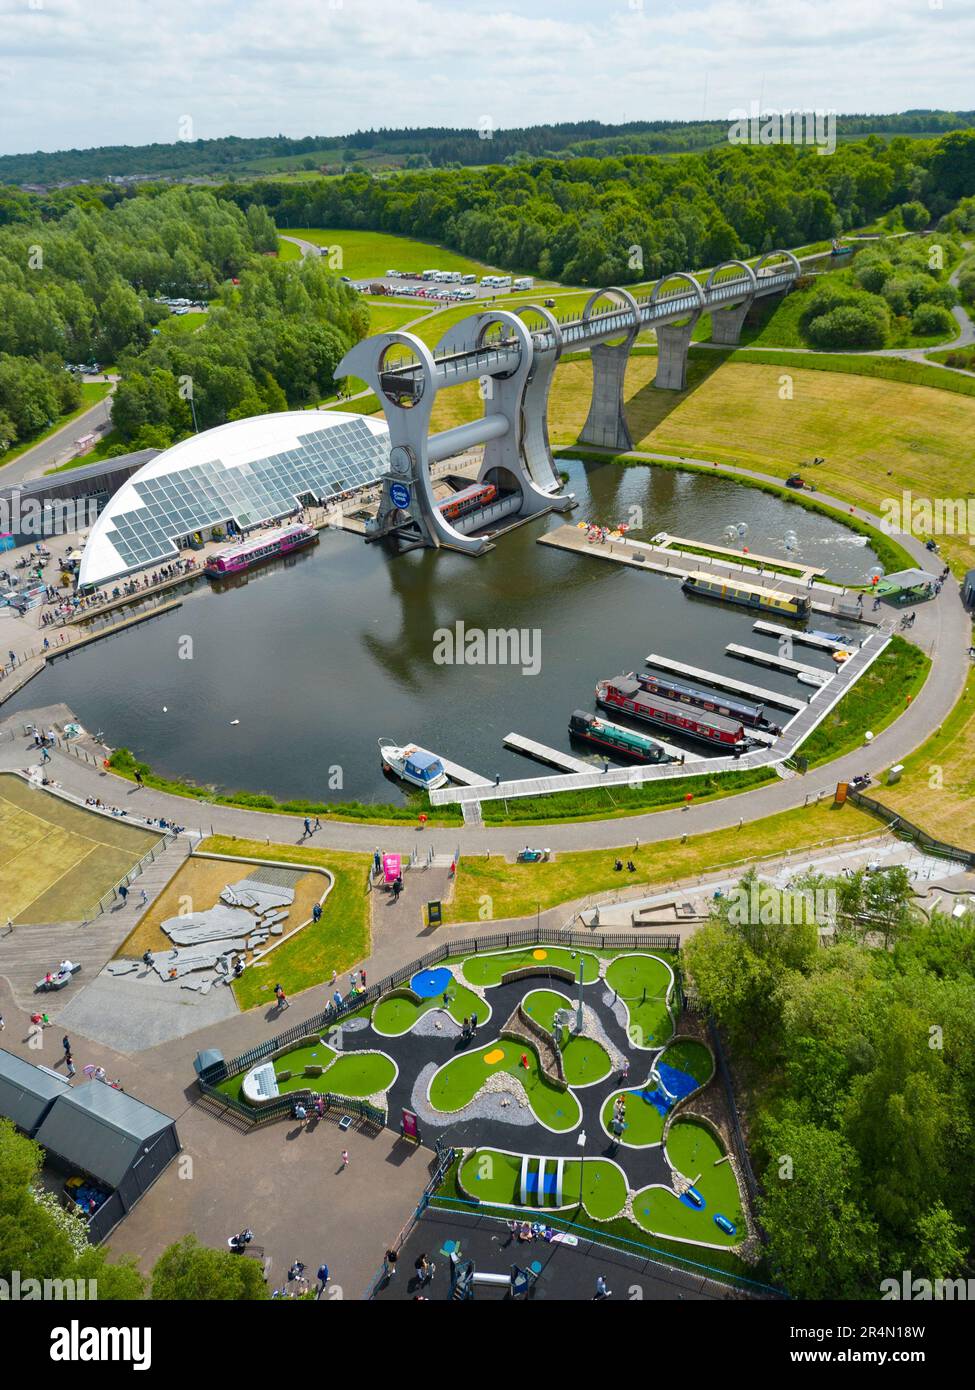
8 432
40 1239
915 216
941 1245
821 1239
189 1271
932 321
850 326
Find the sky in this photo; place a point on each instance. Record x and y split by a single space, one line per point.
79 73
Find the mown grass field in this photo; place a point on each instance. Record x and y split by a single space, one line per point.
56 860
343 937
518 890
937 789
373 253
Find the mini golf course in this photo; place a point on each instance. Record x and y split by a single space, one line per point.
395 1014
456 1084
471 1091
584 1060
486 970
696 1155
643 984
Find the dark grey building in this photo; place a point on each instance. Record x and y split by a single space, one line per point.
90 1131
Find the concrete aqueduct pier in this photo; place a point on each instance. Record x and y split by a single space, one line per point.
513 356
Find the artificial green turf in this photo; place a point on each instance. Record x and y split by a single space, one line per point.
603 1187
491 1176
487 968
394 1015
584 1059
694 1152
691 1057
644 1122
642 982
347 1074
458 1082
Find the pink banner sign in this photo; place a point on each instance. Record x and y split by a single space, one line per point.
392 867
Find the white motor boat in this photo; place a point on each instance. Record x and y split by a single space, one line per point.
414 764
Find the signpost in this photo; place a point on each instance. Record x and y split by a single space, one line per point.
434 913
400 495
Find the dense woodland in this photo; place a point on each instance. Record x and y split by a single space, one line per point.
438 146
578 221
857 1064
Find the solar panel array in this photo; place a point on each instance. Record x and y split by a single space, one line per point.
323 464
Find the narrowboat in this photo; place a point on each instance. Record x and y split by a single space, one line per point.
628 696
624 742
413 764
748 595
254 552
714 701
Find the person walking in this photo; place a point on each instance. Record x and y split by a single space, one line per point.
3 1023
602 1289
281 997
123 893
307 827
322 1280
66 1044
389 1265
345 1158
69 1062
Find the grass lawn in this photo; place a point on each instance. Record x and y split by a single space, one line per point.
642 983
394 1015
385 317
603 1187
516 890
486 968
91 393
56 860
184 323
879 436
459 1081
491 1176
644 1122
879 696
937 789
288 251
371 254
694 1152
343 938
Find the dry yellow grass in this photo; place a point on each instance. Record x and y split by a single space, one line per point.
878 437
196 887
937 790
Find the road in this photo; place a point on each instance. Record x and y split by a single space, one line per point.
57 448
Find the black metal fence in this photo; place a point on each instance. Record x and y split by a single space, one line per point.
530 936
741 1148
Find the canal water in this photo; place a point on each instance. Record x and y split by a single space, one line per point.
319 655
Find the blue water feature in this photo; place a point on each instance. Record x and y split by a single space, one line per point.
678 1083
427 983
657 1099
548 1187
688 1198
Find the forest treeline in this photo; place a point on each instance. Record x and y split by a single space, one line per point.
440 146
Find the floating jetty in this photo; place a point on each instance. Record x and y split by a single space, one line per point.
780 663
803 639
768 697
543 754
456 773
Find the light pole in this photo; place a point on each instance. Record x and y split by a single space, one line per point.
581 1141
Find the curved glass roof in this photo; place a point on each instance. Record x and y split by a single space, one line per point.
249 471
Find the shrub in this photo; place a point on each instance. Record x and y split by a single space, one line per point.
914 216
852 325
872 273
929 320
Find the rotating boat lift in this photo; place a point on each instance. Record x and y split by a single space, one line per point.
513 365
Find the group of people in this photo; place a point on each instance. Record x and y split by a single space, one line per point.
618 866
469 1028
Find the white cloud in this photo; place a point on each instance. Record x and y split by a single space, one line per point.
77 73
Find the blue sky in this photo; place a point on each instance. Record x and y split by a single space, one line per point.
75 73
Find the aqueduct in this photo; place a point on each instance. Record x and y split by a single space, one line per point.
513 363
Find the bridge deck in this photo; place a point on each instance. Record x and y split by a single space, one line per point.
802 639
533 749
456 773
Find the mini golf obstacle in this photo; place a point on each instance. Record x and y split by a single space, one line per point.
464 1278
541 1178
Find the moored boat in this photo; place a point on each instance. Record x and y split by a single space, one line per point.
618 739
628 696
238 558
413 764
746 595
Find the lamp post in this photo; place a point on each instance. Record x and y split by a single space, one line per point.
581 1141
